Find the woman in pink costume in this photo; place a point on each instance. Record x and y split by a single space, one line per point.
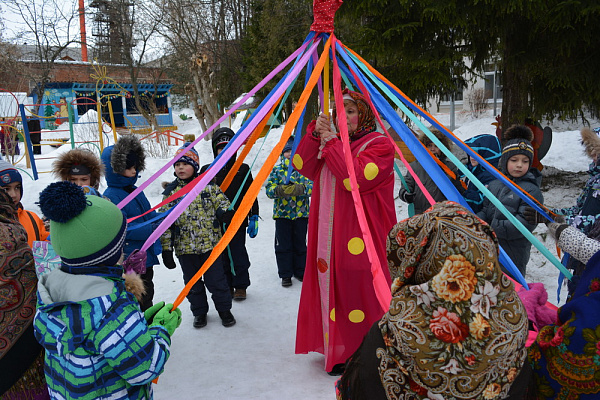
338 303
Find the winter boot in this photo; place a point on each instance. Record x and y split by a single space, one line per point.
240 294
200 321
227 318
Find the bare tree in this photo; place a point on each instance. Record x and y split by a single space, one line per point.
50 26
136 26
205 37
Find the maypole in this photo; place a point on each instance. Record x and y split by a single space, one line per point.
347 67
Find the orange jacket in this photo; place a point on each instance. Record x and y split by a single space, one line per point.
33 225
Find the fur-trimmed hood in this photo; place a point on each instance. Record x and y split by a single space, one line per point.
591 142
61 167
124 146
134 285
115 159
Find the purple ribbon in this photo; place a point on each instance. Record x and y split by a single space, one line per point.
231 149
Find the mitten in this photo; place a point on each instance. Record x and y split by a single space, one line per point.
167 318
555 229
298 189
167 256
252 226
533 217
284 190
136 262
408 197
151 312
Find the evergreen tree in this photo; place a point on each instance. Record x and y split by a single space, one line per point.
548 50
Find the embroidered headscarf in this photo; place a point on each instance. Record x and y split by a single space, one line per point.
18 282
366 119
456 328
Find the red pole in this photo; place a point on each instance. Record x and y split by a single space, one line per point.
84 55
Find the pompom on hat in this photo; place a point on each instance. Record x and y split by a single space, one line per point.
190 157
88 232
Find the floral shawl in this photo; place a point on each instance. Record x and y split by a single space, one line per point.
566 355
456 328
18 282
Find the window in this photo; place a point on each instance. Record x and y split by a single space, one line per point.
493 79
457 97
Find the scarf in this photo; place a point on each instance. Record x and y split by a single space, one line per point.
456 328
366 118
18 282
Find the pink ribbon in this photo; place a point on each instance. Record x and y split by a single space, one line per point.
230 150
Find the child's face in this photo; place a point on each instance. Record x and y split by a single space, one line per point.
81 180
287 154
434 149
474 162
183 170
14 191
129 172
518 165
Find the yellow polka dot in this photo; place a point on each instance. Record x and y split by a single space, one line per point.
371 171
356 316
356 245
347 184
298 161
332 314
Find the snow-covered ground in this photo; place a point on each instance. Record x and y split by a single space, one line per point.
255 358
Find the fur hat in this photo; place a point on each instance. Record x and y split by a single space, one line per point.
439 135
87 231
73 162
191 157
517 141
128 152
591 142
9 174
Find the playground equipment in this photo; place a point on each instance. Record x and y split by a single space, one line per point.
90 138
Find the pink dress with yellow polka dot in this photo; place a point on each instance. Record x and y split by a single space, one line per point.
338 304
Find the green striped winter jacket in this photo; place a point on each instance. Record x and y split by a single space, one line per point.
98 344
289 207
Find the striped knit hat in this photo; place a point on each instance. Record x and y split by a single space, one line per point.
191 157
519 142
88 232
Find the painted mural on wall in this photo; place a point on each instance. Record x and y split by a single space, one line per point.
56 107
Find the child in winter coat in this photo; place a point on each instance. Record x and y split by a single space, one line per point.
235 260
413 193
515 163
290 211
98 343
123 162
488 147
193 236
80 166
12 182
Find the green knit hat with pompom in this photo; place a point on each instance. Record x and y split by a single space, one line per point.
85 231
